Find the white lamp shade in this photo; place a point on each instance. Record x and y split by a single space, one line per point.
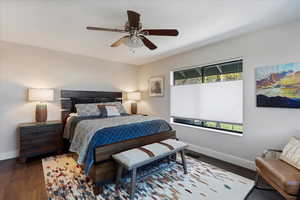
40 94
134 96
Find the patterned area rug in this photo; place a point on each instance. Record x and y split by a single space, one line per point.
64 179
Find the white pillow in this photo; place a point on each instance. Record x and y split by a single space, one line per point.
73 115
112 111
291 153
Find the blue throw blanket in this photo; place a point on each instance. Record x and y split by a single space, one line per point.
139 127
121 133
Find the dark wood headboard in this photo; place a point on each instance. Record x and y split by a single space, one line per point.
67 95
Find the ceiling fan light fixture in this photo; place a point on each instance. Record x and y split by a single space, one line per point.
133 42
136 35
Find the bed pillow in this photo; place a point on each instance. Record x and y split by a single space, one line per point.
109 110
86 100
73 115
291 152
87 110
118 104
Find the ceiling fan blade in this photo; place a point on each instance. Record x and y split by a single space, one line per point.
119 42
105 29
160 32
133 18
148 43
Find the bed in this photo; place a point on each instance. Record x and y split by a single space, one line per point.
96 139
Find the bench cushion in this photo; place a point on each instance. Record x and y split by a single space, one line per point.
147 153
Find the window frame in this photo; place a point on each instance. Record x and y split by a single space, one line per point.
201 124
202 75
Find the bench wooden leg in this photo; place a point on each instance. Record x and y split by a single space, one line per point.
133 183
119 176
183 161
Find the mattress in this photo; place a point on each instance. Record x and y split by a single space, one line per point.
87 133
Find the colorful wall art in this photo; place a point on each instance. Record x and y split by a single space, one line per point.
278 86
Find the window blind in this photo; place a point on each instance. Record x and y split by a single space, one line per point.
218 101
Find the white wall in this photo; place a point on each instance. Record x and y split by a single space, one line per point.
22 67
264 127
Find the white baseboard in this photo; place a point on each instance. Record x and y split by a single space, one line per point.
9 155
222 156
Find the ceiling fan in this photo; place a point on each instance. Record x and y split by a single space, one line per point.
136 37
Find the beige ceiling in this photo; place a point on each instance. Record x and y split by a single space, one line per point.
60 24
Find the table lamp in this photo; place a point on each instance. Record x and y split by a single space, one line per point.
41 95
134 97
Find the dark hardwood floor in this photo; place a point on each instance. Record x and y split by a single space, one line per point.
20 181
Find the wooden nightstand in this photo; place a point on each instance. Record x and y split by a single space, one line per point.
39 138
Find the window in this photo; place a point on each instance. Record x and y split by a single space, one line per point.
228 71
189 76
209 96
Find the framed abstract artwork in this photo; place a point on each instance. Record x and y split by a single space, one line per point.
156 86
278 86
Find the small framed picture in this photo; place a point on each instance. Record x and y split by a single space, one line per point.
156 86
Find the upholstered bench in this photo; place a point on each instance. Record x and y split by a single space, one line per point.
138 157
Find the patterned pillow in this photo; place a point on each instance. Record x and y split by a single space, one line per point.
87 109
118 104
109 110
291 153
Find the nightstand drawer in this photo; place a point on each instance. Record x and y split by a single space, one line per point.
39 143
41 138
37 129
39 135
37 150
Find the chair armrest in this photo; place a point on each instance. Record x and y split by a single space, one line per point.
272 153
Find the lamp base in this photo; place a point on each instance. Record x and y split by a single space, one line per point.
133 108
41 113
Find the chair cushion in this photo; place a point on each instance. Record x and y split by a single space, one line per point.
280 173
150 152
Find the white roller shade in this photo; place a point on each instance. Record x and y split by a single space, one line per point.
221 101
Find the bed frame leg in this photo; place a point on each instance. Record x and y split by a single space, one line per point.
119 177
97 190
